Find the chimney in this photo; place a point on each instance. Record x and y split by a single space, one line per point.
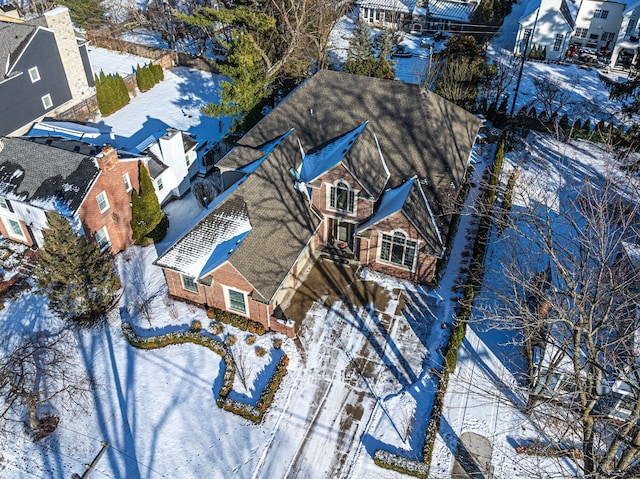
108 158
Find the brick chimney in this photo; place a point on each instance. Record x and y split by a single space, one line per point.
108 158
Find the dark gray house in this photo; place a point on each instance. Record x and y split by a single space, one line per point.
43 66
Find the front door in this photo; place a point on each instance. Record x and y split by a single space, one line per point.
342 232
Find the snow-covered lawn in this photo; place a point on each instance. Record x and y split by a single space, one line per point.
112 62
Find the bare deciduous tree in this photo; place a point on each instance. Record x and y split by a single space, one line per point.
38 370
570 291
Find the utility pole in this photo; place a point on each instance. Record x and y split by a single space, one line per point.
91 467
527 36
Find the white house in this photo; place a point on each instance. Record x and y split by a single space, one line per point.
625 51
545 24
597 25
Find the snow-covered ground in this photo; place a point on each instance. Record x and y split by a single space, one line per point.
175 102
112 62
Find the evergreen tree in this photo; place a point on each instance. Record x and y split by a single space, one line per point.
142 77
123 93
586 126
564 122
87 14
360 54
146 215
79 281
543 54
158 72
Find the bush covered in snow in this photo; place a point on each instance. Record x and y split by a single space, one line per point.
398 463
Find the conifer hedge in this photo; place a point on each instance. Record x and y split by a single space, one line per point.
111 92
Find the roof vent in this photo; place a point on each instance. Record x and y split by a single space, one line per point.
1 144
311 111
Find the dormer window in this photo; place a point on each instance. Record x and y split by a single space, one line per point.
342 197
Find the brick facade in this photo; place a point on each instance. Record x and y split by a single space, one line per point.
117 217
424 265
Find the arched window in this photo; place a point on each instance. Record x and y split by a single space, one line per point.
342 197
398 249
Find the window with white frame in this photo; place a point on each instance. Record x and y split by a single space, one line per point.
4 204
127 181
103 203
558 42
593 36
342 198
237 300
599 13
34 74
159 183
186 159
46 101
15 229
581 32
102 238
189 283
398 249
608 36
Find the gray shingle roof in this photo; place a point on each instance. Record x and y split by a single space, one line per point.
13 38
32 171
419 134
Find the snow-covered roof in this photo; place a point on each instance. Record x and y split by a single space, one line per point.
13 39
402 6
451 10
93 133
409 199
211 242
39 170
323 159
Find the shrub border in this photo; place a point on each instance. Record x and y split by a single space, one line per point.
395 462
252 413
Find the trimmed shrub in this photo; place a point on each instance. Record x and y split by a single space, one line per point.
277 343
230 340
261 352
237 321
251 339
196 325
216 328
272 386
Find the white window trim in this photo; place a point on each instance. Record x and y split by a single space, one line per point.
195 282
47 99
159 183
9 229
4 205
127 182
227 301
391 263
106 200
330 186
106 234
34 74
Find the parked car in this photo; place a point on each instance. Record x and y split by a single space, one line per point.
401 52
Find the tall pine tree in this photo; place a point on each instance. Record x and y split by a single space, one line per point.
79 280
148 222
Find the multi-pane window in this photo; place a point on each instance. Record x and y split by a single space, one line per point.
236 301
127 181
34 74
189 284
102 238
581 32
46 101
593 36
4 204
398 249
15 228
558 42
599 13
342 197
186 158
608 36
159 183
103 204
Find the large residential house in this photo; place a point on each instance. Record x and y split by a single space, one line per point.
417 16
44 68
597 25
362 170
172 156
625 51
545 24
88 184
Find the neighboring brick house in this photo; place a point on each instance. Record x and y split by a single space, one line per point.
88 184
364 170
44 67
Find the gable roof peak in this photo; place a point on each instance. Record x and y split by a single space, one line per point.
329 155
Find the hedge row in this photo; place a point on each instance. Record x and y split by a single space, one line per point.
393 461
236 320
254 414
397 463
474 281
179 337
